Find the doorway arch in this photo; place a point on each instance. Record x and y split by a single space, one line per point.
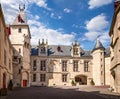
81 79
25 79
4 80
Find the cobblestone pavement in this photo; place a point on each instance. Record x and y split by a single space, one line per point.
61 92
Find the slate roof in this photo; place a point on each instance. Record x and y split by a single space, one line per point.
34 51
98 45
107 51
64 51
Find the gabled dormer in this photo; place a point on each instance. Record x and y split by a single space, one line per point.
43 47
75 50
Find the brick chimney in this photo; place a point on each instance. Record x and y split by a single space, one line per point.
116 4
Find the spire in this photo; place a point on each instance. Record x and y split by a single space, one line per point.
21 17
98 45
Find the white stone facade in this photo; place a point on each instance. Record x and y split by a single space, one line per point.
96 62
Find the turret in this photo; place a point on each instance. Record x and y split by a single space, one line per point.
98 63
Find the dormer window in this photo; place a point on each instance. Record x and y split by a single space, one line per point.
75 51
19 30
59 49
43 50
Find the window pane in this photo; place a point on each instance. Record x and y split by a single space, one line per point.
42 77
43 65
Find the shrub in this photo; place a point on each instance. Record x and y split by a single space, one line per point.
73 83
92 82
10 85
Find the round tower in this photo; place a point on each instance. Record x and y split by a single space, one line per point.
98 63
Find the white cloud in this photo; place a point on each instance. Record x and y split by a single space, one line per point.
91 35
97 27
37 17
38 30
54 37
97 23
40 3
98 3
55 16
66 10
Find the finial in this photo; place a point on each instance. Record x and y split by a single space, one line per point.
46 41
39 42
22 8
42 41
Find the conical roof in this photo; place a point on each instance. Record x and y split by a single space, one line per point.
98 45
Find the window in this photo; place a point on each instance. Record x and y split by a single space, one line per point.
34 65
43 50
19 50
101 53
75 51
19 59
19 30
5 61
43 65
86 66
75 66
64 66
64 77
42 77
34 77
9 64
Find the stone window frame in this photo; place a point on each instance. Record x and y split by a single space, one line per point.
86 66
34 65
42 77
43 65
64 65
75 65
34 77
64 78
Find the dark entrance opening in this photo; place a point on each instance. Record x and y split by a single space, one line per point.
81 79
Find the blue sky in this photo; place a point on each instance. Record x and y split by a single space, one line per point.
65 21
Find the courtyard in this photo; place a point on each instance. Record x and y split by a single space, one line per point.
61 92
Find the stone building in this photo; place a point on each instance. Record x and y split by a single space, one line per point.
61 65
6 70
20 39
115 48
17 67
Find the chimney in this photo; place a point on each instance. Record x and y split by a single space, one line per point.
116 4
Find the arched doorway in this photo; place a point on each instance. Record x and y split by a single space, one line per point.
81 79
25 79
4 80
